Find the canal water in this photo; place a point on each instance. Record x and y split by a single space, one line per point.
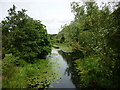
65 80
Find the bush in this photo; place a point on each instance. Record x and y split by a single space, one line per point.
24 37
94 72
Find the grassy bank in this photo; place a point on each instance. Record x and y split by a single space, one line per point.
63 47
20 74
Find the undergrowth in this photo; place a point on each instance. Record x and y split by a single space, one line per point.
20 74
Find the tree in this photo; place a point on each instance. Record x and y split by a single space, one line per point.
24 37
96 32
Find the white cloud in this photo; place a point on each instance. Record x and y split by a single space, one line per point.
52 13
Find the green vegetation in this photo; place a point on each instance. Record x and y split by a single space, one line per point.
63 47
94 74
95 31
24 36
53 38
25 45
92 40
37 75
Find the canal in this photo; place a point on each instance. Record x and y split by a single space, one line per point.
65 69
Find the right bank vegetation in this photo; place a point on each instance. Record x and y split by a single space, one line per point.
95 31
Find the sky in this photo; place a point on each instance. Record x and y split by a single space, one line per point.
52 13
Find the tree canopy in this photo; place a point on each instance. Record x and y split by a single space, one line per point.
24 37
96 32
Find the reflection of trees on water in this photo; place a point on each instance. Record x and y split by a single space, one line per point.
71 71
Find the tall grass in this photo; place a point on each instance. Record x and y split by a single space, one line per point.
19 74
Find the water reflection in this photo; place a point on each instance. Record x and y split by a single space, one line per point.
69 76
65 81
70 70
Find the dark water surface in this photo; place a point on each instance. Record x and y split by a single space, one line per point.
65 69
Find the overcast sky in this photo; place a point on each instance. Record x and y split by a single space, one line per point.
52 13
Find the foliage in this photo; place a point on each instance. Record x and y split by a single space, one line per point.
25 44
53 38
95 32
13 77
37 75
93 73
64 47
24 37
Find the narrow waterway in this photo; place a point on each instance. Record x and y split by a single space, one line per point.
65 80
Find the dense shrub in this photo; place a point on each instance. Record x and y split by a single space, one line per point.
95 31
24 37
